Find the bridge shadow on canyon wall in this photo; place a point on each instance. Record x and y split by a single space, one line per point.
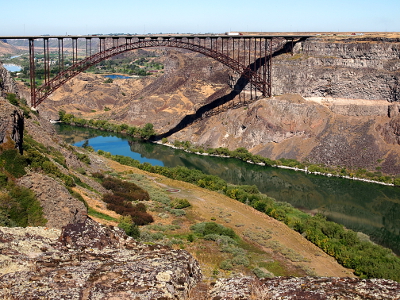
237 89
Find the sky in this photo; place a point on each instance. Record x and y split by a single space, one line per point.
73 17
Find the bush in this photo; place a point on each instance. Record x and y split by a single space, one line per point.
3 179
126 223
180 203
226 265
22 207
12 98
241 260
120 201
13 162
212 228
127 190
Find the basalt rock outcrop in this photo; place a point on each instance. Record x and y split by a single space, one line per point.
292 288
11 126
88 261
7 84
59 207
340 68
11 118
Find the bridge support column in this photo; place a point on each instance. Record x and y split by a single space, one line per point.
32 71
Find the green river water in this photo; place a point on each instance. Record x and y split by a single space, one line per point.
364 207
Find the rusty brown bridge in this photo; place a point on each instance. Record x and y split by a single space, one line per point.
249 56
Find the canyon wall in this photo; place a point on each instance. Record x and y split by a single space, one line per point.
341 68
11 118
337 105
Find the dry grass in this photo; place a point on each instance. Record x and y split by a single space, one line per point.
208 205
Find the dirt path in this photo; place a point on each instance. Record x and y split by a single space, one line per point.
269 234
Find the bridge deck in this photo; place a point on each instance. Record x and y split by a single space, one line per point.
154 36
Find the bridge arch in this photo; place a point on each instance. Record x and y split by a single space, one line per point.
250 73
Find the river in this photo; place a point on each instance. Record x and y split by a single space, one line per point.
363 207
12 67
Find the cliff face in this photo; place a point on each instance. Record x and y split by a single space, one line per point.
338 106
352 69
7 84
11 126
11 118
59 207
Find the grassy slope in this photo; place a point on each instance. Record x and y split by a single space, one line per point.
269 243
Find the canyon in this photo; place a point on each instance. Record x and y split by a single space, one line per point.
335 102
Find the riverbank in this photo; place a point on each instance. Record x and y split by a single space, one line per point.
305 170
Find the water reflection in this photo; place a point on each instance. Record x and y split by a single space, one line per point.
369 208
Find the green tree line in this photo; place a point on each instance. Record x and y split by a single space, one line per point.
145 133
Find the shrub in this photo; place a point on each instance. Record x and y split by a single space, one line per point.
3 179
180 203
226 265
261 274
126 223
123 206
241 260
12 98
220 239
128 190
22 207
13 162
212 228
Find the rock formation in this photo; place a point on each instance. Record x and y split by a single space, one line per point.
340 68
7 84
89 261
304 288
59 207
11 126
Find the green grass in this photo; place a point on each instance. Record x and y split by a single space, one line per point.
94 213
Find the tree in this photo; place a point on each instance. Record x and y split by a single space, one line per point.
147 131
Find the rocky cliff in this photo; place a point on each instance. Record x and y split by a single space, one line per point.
11 126
340 68
11 119
7 84
59 207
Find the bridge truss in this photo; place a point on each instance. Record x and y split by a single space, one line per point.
249 56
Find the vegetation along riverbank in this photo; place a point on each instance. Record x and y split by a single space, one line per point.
147 133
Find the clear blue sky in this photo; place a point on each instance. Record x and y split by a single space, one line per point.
36 17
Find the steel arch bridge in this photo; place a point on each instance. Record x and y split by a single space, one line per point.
249 56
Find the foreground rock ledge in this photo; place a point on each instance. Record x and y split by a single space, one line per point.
302 288
89 261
